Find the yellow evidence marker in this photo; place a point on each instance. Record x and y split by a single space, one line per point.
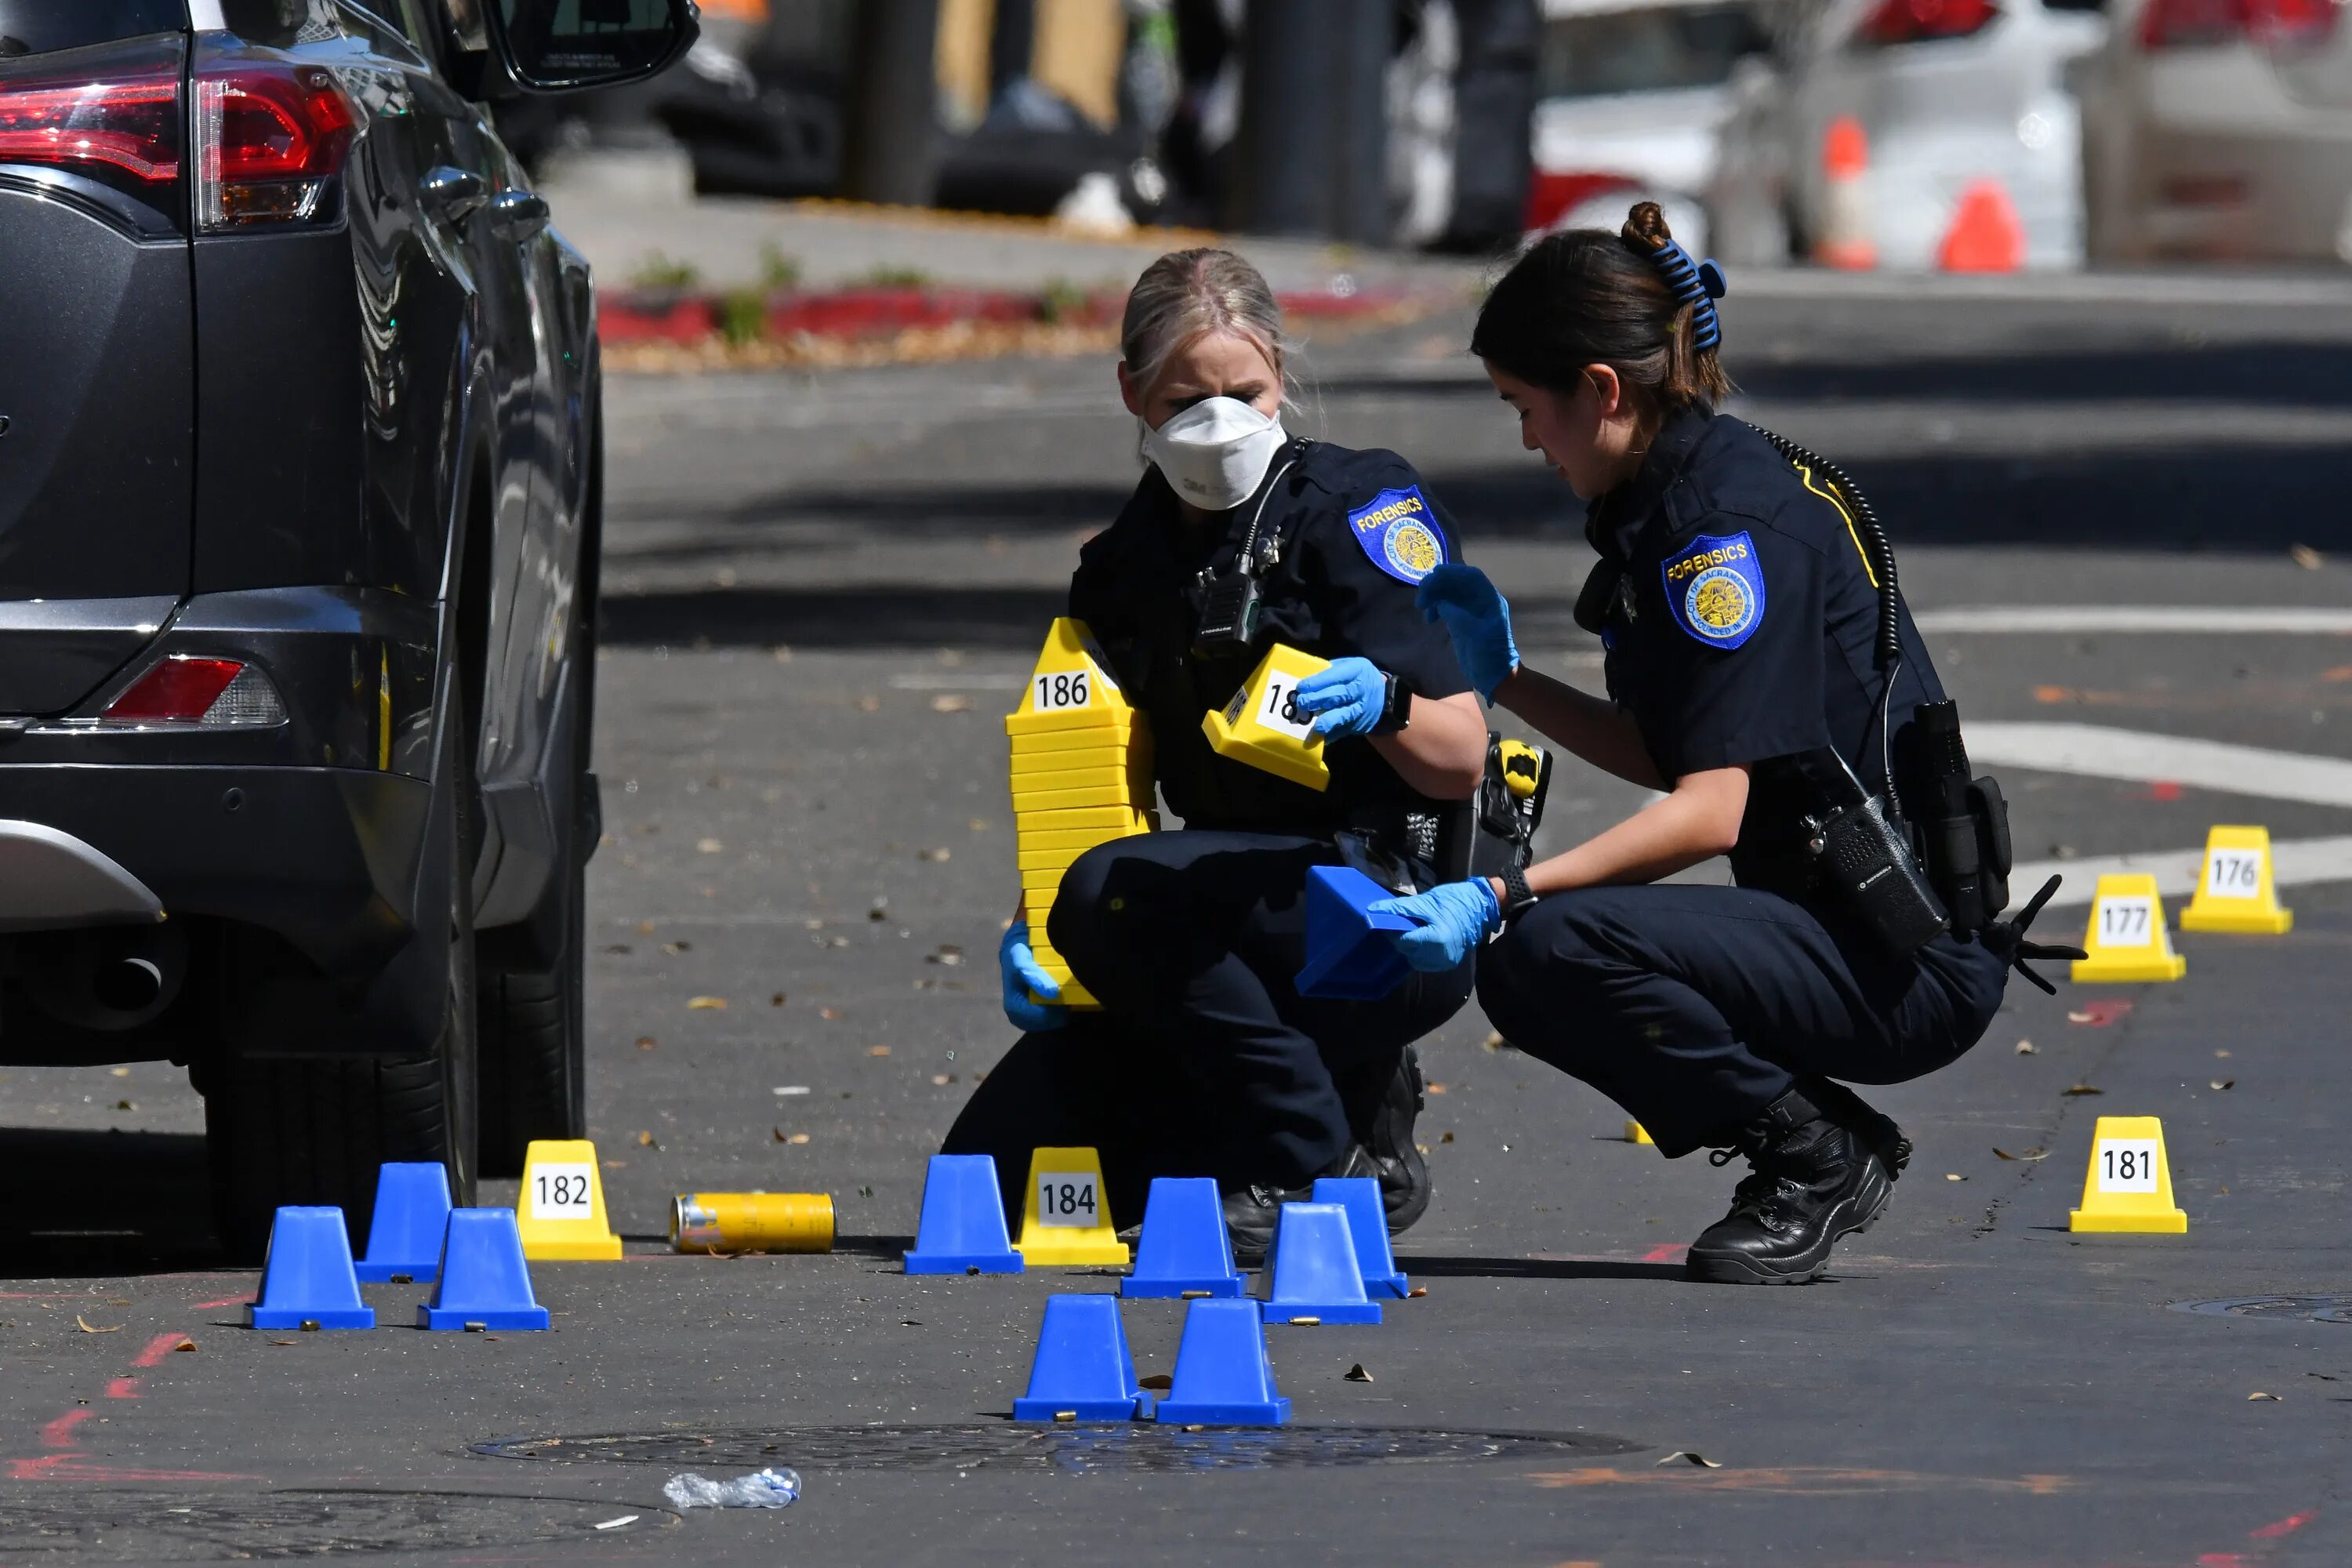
1261 725
562 1211
2237 892
1081 773
1064 1218
1637 1133
2129 1187
2126 939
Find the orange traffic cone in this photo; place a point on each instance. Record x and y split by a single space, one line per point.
1844 240
1984 236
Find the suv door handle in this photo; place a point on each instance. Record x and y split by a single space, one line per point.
456 194
517 215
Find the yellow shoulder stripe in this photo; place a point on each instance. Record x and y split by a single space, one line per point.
1830 496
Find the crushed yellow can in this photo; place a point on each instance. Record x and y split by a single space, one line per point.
751 1222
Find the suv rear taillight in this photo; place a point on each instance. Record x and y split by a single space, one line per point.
108 114
2212 24
212 693
270 137
1892 22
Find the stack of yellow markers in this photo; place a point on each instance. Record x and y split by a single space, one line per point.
1081 774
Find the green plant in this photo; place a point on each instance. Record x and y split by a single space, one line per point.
888 277
743 316
778 270
1060 300
659 271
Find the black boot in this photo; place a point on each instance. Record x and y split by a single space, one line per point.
1822 1166
1252 1211
1390 1101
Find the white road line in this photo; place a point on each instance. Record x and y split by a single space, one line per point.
2092 751
2224 620
2295 862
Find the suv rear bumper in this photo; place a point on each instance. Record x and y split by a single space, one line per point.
323 831
325 857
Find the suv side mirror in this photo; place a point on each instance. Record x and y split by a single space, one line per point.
561 46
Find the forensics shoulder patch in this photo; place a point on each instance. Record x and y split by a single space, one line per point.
1715 588
1399 531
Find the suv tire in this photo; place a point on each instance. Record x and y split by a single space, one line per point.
314 1131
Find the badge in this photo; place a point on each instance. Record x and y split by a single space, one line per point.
1715 589
1399 531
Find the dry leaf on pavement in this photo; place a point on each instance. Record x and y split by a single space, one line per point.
706 1004
1686 1457
1356 1373
2080 1088
2030 1155
84 1324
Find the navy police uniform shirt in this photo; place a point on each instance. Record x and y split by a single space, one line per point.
1359 532
1745 624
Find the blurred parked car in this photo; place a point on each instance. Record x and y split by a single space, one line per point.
2220 130
1631 95
1947 94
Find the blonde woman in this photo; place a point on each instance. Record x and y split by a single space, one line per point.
1204 1059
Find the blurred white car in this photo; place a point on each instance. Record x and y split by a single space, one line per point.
1948 94
1630 96
2220 130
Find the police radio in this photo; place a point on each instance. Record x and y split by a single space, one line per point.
1232 600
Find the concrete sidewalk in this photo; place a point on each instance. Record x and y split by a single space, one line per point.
731 242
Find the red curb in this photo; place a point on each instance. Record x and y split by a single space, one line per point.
627 316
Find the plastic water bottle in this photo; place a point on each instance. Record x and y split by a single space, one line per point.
761 1488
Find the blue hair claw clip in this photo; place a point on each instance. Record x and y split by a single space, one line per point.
1696 284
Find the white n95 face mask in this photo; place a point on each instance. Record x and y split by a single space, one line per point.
1215 452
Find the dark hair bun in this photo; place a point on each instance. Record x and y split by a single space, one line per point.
1645 226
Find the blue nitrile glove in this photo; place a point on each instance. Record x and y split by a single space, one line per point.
1477 618
1346 698
1022 975
1455 918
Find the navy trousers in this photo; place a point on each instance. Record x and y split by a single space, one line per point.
1697 1007
1204 1059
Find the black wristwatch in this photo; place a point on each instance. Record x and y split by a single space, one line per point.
1517 894
1396 707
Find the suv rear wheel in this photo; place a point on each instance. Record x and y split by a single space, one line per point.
314 1131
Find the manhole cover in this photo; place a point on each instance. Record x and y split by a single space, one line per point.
165 1528
2308 1309
1004 1446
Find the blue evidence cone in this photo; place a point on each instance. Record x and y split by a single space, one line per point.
1185 1250
484 1280
1223 1377
1082 1370
1349 953
412 1210
962 1229
307 1280
1367 1224
1316 1277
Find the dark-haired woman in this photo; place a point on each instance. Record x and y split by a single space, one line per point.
1741 615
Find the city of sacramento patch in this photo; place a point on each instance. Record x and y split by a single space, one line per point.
1715 589
1399 533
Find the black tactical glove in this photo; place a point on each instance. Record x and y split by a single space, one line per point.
2006 939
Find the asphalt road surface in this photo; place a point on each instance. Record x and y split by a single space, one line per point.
823 593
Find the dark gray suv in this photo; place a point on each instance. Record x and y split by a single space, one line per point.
299 497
